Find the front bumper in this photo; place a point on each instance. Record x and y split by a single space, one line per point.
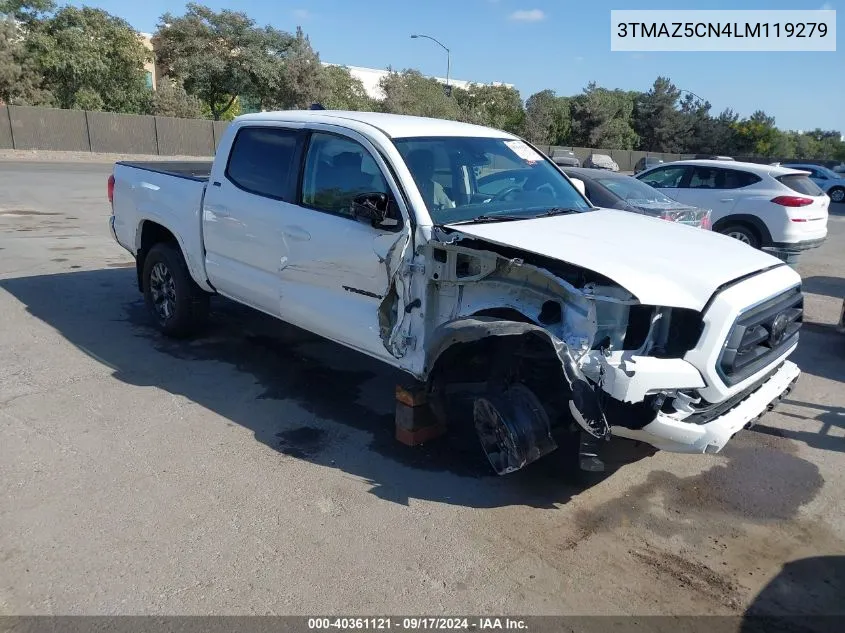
674 435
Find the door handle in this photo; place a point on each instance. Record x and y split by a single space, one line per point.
297 233
727 200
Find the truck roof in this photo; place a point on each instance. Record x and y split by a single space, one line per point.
393 125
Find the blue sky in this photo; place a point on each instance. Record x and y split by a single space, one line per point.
557 44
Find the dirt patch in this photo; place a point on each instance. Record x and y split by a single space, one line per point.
762 480
690 575
121 265
67 248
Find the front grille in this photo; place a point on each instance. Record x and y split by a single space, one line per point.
760 335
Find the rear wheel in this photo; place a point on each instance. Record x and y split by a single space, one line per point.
176 303
837 194
741 232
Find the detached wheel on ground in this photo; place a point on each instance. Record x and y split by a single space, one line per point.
837 194
177 305
740 232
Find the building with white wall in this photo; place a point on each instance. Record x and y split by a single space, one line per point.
371 77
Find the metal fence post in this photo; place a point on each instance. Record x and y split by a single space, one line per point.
88 131
11 127
155 127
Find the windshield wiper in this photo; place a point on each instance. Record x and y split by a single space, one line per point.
492 218
557 211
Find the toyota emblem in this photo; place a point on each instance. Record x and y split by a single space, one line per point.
778 330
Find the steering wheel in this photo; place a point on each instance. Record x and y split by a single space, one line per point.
506 191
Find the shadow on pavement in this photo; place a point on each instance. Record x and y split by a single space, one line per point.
824 285
807 595
337 392
831 418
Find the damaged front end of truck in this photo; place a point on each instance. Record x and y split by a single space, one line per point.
535 349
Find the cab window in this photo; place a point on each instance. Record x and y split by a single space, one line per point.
336 170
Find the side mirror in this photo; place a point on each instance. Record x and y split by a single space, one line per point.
580 186
376 207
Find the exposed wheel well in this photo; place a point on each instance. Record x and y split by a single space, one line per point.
508 314
152 233
470 366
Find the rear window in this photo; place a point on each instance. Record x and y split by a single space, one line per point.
801 184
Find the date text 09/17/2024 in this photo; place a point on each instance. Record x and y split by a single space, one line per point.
417 623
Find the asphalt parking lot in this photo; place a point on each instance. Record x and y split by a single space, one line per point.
253 471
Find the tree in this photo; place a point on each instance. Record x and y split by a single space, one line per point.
171 100
26 12
219 56
547 119
699 126
757 134
302 80
409 92
20 81
499 107
601 118
342 91
656 119
90 59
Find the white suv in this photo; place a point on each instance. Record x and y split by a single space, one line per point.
765 206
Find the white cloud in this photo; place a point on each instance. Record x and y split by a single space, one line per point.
528 15
302 14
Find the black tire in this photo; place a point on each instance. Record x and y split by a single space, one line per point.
741 232
837 194
177 305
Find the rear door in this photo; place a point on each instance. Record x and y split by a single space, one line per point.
719 189
244 213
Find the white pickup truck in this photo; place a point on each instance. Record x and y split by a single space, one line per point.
464 257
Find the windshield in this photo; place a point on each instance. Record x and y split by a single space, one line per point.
462 178
634 191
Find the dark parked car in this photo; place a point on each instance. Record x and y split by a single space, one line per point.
565 158
618 191
711 157
645 162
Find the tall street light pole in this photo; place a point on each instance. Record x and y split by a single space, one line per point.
448 58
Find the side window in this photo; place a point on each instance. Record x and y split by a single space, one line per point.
336 170
703 178
665 177
260 161
734 179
